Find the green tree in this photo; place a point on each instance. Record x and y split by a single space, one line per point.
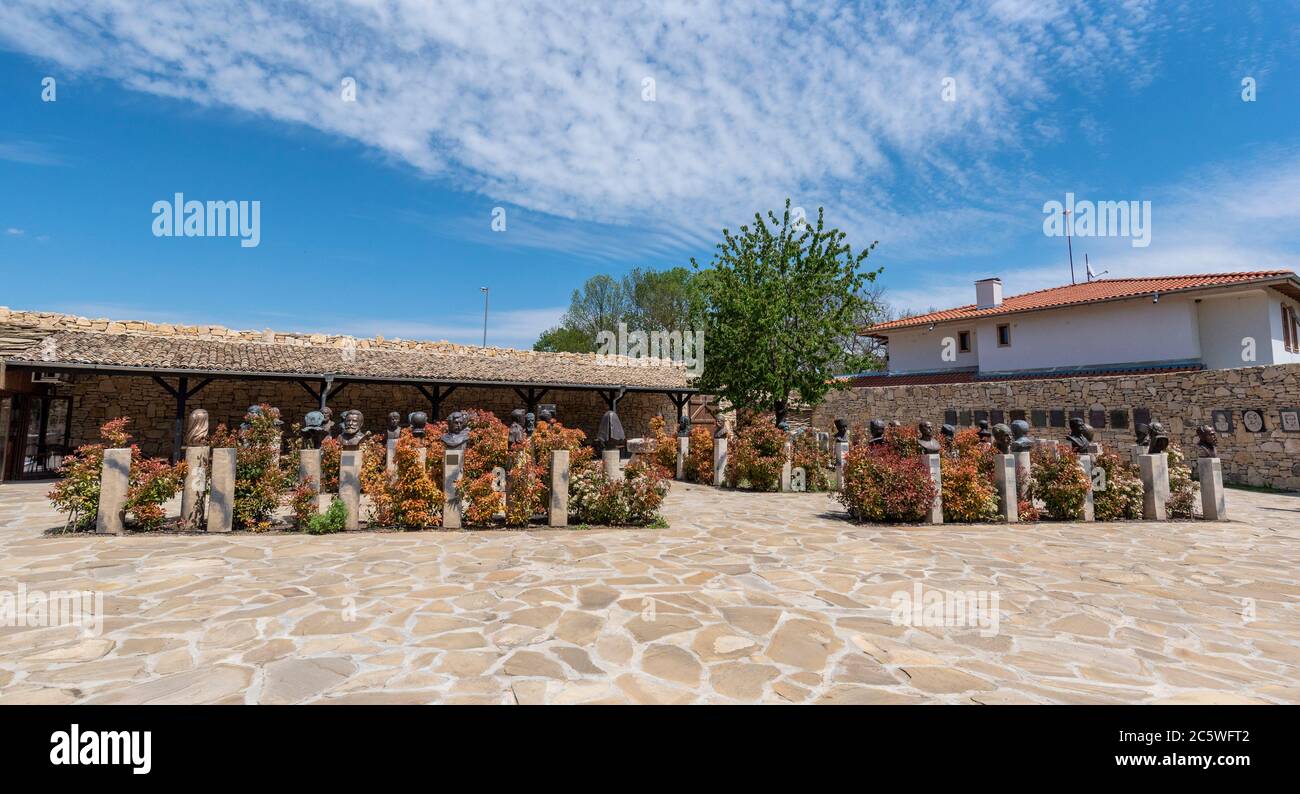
781 299
645 299
561 339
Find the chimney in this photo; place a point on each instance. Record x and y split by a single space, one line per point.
988 293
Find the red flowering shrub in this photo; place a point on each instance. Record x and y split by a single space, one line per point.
552 435
151 482
881 485
966 473
331 454
1059 483
259 480
1121 496
817 464
699 457
666 445
756 456
303 502
412 498
489 447
1183 490
595 499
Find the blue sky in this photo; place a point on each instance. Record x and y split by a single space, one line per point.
376 214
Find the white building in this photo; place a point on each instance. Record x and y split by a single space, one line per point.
1207 321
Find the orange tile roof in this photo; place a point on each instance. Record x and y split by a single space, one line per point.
1090 292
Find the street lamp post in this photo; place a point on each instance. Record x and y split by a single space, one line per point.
485 307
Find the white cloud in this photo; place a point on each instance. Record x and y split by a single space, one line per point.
542 109
14 232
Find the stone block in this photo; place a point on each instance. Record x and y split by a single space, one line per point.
221 497
719 461
935 515
1155 485
350 485
557 514
1004 476
1214 504
452 463
196 482
114 480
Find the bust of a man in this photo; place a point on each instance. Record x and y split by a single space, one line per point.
877 430
418 420
1002 438
196 429
683 426
1207 439
517 425
352 436
610 433
841 431
1020 440
720 428
929 446
457 435
394 425
313 429
530 423
1142 433
1159 439
947 431
328 422
1080 435
546 415
984 433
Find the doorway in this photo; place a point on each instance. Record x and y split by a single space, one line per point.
38 435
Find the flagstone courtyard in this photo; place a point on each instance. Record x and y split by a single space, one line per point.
767 598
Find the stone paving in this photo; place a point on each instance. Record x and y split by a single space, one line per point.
768 598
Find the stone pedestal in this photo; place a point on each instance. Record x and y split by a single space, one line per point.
221 499
350 485
390 460
557 513
114 480
786 468
309 471
1085 463
719 461
1213 504
452 462
935 516
1024 472
613 471
683 449
1094 449
1155 485
196 482
1004 475
841 451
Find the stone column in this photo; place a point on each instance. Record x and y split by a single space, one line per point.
350 485
452 461
613 471
196 482
114 480
935 515
683 449
719 461
1213 504
1085 463
1024 472
221 501
787 451
557 514
1155 485
390 461
841 451
309 470
1004 474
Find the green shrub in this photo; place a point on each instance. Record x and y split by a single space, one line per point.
969 495
332 520
881 485
1059 483
1183 490
1121 498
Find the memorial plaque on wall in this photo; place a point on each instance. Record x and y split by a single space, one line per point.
1253 420
1222 421
950 417
1097 418
1058 417
1141 416
1017 414
1119 419
981 416
1038 418
1076 413
997 416
963 418
1290 419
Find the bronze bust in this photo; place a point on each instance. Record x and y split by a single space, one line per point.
1143 434
1002 438
517 425
352 435
394 425
1159 440
418 420
720 429
313 429
610 433
530 424
1020 440
683 426
984 433
1080 435
457 435
929 446
196 430
877 430
841 431
1207 440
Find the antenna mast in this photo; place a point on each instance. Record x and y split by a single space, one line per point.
1069 246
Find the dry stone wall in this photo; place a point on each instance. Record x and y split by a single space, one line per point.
1180 400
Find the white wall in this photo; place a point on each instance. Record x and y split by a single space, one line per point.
919 350
1278 340
1227 320
1118 332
